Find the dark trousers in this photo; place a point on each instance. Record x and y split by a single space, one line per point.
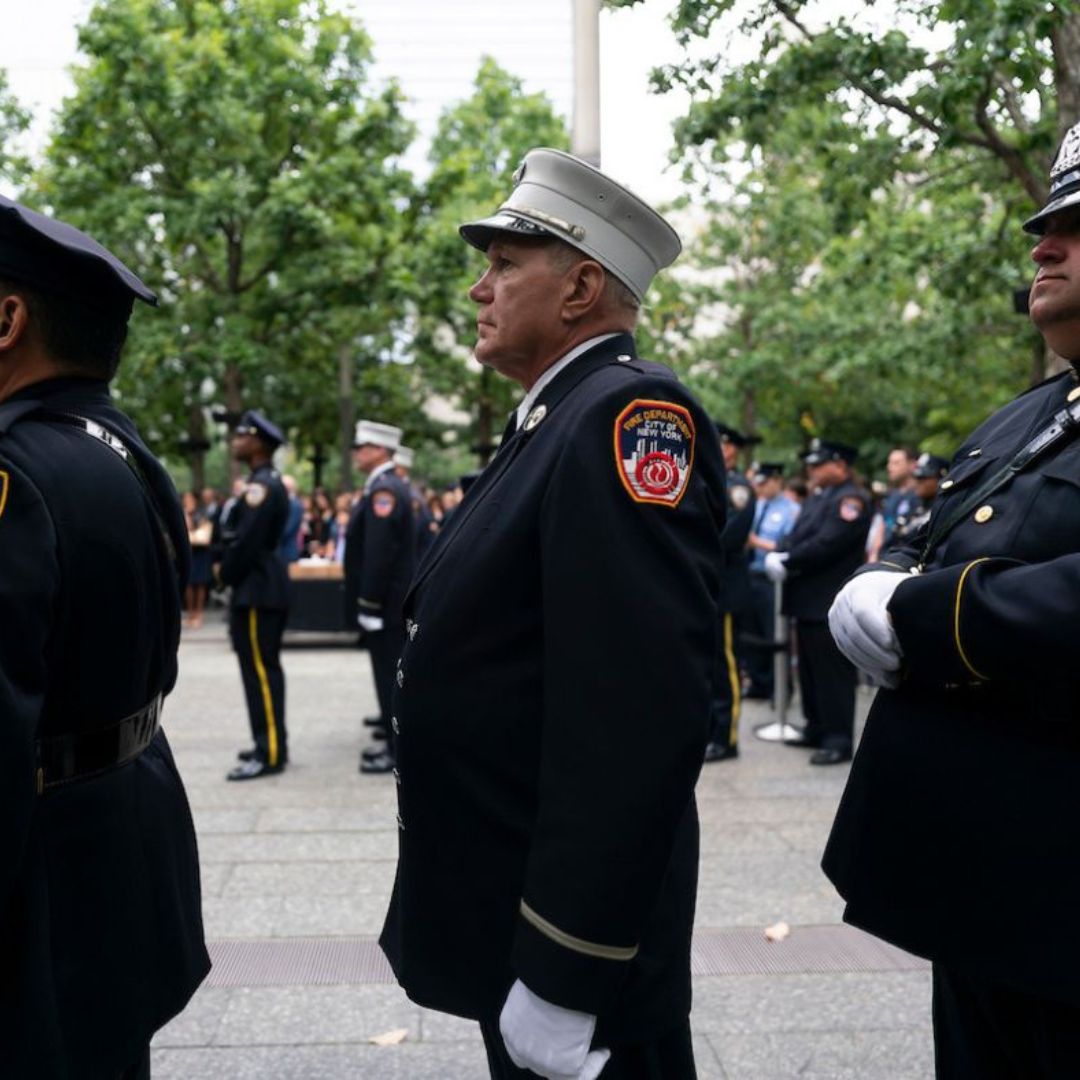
987 1031
727 688
760 624
384 648
256 637
827 684
671 1057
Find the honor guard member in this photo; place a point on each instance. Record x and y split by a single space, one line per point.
426 526
957 835
380 556
259 605
548 838
735 601
100 912
774 517
824 548
926 476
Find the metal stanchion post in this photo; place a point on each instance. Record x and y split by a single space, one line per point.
779 729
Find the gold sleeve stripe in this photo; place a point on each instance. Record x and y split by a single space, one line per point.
568 941
956 619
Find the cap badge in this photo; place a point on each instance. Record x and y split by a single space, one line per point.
535 418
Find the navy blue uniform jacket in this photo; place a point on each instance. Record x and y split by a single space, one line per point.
958 835
741 504
826 546
553 708
99 879
252 562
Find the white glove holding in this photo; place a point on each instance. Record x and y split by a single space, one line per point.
370 623
859 622
775 570
551 1041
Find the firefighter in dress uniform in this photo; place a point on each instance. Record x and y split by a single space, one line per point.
547 839
259 604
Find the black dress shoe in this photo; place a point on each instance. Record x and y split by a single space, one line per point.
720 752
373 721
370 753
384 763
247 755
828 756
379 734
810 742
253 770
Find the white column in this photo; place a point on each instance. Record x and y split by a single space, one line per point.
585 138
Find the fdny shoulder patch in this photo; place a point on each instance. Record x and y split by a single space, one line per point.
383 503
851 508
654 451
255 494
739 496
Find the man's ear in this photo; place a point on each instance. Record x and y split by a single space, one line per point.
586 282
14 319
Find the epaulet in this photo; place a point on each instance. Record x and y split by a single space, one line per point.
644 367
11 411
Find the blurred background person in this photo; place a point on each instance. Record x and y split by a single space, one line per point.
200 530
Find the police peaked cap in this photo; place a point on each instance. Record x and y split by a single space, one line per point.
930 465
763 470
559 195
823 450
734 436
254 423
1064 182
56 258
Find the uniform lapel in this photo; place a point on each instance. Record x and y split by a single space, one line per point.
596 358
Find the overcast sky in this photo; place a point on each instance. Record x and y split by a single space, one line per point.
434 48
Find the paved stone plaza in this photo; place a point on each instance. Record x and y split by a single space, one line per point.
297 870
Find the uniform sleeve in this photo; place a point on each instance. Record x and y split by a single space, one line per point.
388 514
254 535
630 616
739 523
29 582
991 618
843 529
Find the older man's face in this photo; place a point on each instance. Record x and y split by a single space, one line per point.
1055 293
519 298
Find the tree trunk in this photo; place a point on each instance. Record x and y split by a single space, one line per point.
1065 42
197 440
234 406
346 416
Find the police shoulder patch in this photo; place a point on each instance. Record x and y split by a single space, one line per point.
739 496
851 508
654 451
383 503
255 494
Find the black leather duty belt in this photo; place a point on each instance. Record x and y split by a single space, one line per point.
63 758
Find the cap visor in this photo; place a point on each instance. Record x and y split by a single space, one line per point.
1037 224
480 233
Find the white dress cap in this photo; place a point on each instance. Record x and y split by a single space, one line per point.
560 195
372 433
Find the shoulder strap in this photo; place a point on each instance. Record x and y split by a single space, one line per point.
95 429
1062 429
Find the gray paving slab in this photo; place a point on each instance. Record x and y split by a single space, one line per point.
310 854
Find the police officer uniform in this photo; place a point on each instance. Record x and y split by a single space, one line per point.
380 556
545 834
735 603
825 547
259 604
99 879
957 834
773 520
928 472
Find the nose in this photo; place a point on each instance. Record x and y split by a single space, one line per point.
1049 249
480 293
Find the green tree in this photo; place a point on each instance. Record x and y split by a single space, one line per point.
865 251
14 122
477 147
234 154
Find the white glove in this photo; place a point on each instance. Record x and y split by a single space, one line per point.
859 622
775 570
370 623
551 1041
